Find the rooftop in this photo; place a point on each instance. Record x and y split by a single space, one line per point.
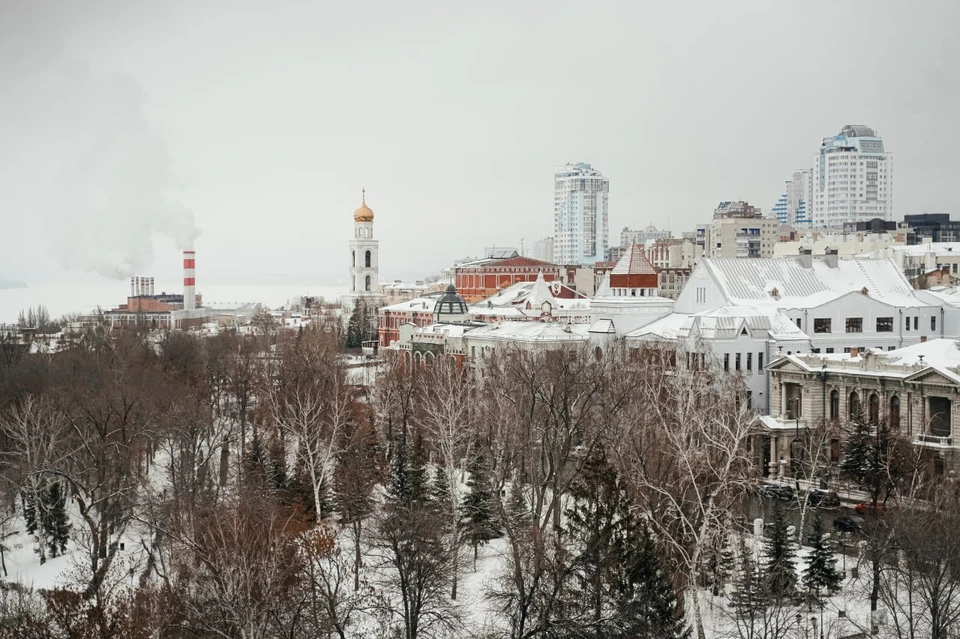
786 283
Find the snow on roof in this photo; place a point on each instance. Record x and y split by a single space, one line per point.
424 302
603 326
726 322
634 262
448 330
786 283
939 248
535 293
668 327
531 332
942 355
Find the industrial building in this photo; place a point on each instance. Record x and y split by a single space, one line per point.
147 308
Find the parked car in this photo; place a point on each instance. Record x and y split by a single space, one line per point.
867 508
777 491
823 499
848 523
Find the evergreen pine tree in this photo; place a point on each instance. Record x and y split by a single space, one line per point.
618 586
749 596
857 451
29 508
440 492
479 508
718 563
360 324
518 510
651 608
55 520
780 558
821 575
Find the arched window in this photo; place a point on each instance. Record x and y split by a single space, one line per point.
874 408
835 405
353 285
367 286
353 256
895 412
366 259
853 406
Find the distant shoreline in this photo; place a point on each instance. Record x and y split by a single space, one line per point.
5 284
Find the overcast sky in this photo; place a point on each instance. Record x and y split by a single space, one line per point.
263 120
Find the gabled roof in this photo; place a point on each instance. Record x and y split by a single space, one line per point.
786 283
728 322
940 357
634 262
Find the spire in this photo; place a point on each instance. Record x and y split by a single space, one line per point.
363 195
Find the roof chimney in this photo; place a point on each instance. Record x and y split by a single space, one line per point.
830 256
189 280
806 257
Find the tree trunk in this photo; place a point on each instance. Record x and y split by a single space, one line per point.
224 463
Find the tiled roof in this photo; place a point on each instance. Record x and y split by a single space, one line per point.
634 262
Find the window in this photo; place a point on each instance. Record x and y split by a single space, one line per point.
749 361
830 349
737 365
933 322
759 361
906 324
367 286
821 325
835 405
726 361
854 324
366 259
874 408
884 324
916 322
799 324
895 412
853 406
353 255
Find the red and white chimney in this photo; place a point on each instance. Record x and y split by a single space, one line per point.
189 280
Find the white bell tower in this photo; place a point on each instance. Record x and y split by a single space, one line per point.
364 264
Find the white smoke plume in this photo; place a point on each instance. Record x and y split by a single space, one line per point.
87 169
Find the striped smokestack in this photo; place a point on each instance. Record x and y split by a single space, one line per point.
189 280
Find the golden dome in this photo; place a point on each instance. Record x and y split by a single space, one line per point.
364 213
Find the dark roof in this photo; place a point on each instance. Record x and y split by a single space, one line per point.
450 303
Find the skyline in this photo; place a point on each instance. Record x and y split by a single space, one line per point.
270 121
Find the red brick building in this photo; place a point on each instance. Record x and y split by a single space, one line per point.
634 275
482 278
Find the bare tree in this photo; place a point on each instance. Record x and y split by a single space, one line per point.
34 432
446 410
312 405
687 454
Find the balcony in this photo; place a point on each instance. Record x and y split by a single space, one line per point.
934 440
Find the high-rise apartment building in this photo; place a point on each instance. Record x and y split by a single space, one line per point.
629 236
543 250
852 178
795 205
580 216
738 229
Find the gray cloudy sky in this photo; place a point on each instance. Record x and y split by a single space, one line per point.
263 120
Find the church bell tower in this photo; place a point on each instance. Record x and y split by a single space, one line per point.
364 269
